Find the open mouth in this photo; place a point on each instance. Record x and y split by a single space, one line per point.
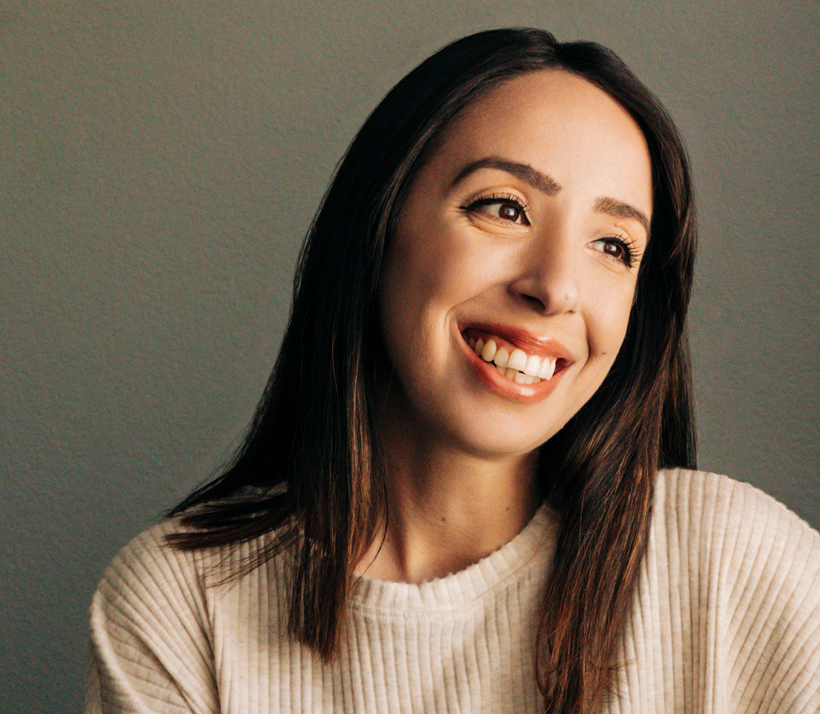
512 362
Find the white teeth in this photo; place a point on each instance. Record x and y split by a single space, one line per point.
517 365
547 368
489 351
533 366
518 360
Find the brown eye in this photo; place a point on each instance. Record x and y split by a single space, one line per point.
617 249
507 209
509 212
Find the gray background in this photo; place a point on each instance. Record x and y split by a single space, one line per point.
159 164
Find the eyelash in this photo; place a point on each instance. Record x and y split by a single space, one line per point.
500 198
630 255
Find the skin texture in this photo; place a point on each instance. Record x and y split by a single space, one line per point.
530 218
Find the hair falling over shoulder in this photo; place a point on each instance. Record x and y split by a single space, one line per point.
308 475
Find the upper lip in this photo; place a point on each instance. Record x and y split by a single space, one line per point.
528 341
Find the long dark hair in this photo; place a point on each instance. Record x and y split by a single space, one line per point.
308 474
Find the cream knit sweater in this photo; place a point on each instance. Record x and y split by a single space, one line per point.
726 618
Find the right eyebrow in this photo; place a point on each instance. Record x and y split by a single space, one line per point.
535 178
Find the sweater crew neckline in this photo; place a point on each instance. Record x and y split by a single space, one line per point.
532 548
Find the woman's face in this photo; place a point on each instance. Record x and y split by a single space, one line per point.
520 238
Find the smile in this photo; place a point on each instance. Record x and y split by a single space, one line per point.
538 363
514 364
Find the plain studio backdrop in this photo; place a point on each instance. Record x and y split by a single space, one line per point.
160 163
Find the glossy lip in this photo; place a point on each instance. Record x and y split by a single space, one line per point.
544 347
530 343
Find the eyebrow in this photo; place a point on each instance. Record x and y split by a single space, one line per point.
536 179
619 209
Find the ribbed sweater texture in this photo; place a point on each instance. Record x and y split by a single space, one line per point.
725 618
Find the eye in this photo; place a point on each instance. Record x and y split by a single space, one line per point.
508 209
616 248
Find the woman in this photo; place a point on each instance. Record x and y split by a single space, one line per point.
449 499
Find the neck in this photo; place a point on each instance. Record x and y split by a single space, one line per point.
447 509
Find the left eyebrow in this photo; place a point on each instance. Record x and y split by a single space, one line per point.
619 209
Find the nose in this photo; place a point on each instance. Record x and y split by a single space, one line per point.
549 275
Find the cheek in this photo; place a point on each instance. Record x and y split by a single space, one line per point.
408 291
402 292
434 269
608 321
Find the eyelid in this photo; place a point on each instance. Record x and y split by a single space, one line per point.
489 199
629 245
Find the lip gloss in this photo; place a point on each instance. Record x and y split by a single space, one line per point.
487 372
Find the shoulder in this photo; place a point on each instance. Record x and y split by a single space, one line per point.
716 520
152 596
149 631
150 581
154 625
719 510
149 570
742 571
161 617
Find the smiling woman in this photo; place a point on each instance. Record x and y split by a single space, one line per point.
468 485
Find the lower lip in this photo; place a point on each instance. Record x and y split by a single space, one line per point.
488 374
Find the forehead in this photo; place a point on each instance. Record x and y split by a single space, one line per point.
559 124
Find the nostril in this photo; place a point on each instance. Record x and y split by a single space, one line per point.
548 294
534 302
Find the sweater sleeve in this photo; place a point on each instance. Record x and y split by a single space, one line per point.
754 572
775 592
151 644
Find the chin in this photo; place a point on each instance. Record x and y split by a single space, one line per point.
490 442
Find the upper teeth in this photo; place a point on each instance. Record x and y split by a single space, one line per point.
516 365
